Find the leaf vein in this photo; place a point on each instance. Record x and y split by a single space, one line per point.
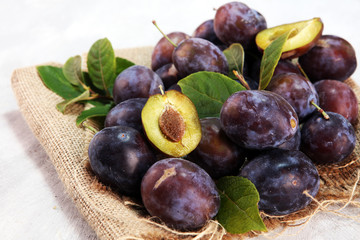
240 209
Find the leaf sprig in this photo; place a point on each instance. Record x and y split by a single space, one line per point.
93 87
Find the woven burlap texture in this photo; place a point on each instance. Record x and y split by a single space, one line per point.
117 217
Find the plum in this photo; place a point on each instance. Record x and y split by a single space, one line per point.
126 113
120 156
235 22
258 119
297 90
136 82
281 177
216 153
180 193
336 96
327 141
197 54
332 57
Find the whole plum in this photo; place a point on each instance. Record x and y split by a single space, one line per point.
162 52
175 87
197 54
168 74
120 156
336 96
258 119
297 90
235 22
216 153
332 57
180 193
281 177
327 141
206 31
136 82
126 113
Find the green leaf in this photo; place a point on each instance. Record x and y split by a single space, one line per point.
88 82
72 70
208 91
270 59
101 65
235 57
122 64
62 106
239 212
100 102
96 111
55 80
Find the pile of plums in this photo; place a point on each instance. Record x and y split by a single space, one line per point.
155 147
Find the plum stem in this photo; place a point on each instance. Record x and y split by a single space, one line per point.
161 90
165 36
302 70
163 94
242 80
325 115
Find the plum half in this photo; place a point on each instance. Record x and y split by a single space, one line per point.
171 123
302 38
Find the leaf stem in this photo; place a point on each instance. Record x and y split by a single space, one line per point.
93 96
90 127
86 87
242 80
167 38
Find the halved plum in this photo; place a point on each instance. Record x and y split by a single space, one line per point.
302 38
171 123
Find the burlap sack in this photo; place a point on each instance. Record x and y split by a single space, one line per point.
116 217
